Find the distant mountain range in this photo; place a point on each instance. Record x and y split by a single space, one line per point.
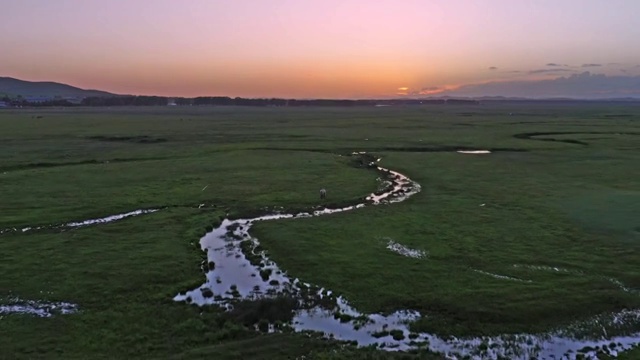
44 89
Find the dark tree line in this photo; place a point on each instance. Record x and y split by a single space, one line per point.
20 102
226 101
125 101
238 101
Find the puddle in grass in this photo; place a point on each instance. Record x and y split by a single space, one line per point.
501 277
405 250
236 274
617 283
15 305
474 151
548 268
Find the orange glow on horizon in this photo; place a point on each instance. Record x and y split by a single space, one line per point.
311 49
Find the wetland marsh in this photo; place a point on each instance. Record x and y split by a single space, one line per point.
558 215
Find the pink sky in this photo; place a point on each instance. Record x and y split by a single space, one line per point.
306 48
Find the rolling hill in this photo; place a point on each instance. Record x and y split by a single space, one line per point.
14 87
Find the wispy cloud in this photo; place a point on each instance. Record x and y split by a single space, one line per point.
493 68
431 90
583 85
591 65
549 71
555 64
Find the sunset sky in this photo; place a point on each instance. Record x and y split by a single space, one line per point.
327 48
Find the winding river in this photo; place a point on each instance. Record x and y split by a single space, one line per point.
239 270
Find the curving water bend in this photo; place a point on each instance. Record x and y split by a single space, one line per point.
239 269
233 275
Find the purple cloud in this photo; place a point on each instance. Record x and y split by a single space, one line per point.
583 85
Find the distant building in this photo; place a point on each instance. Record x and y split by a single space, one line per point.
171 102
3 104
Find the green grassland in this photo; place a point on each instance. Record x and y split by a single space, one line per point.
561 189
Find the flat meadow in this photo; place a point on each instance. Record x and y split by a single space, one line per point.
540 234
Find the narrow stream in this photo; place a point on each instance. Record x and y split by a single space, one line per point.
15 305
239 269
79 224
